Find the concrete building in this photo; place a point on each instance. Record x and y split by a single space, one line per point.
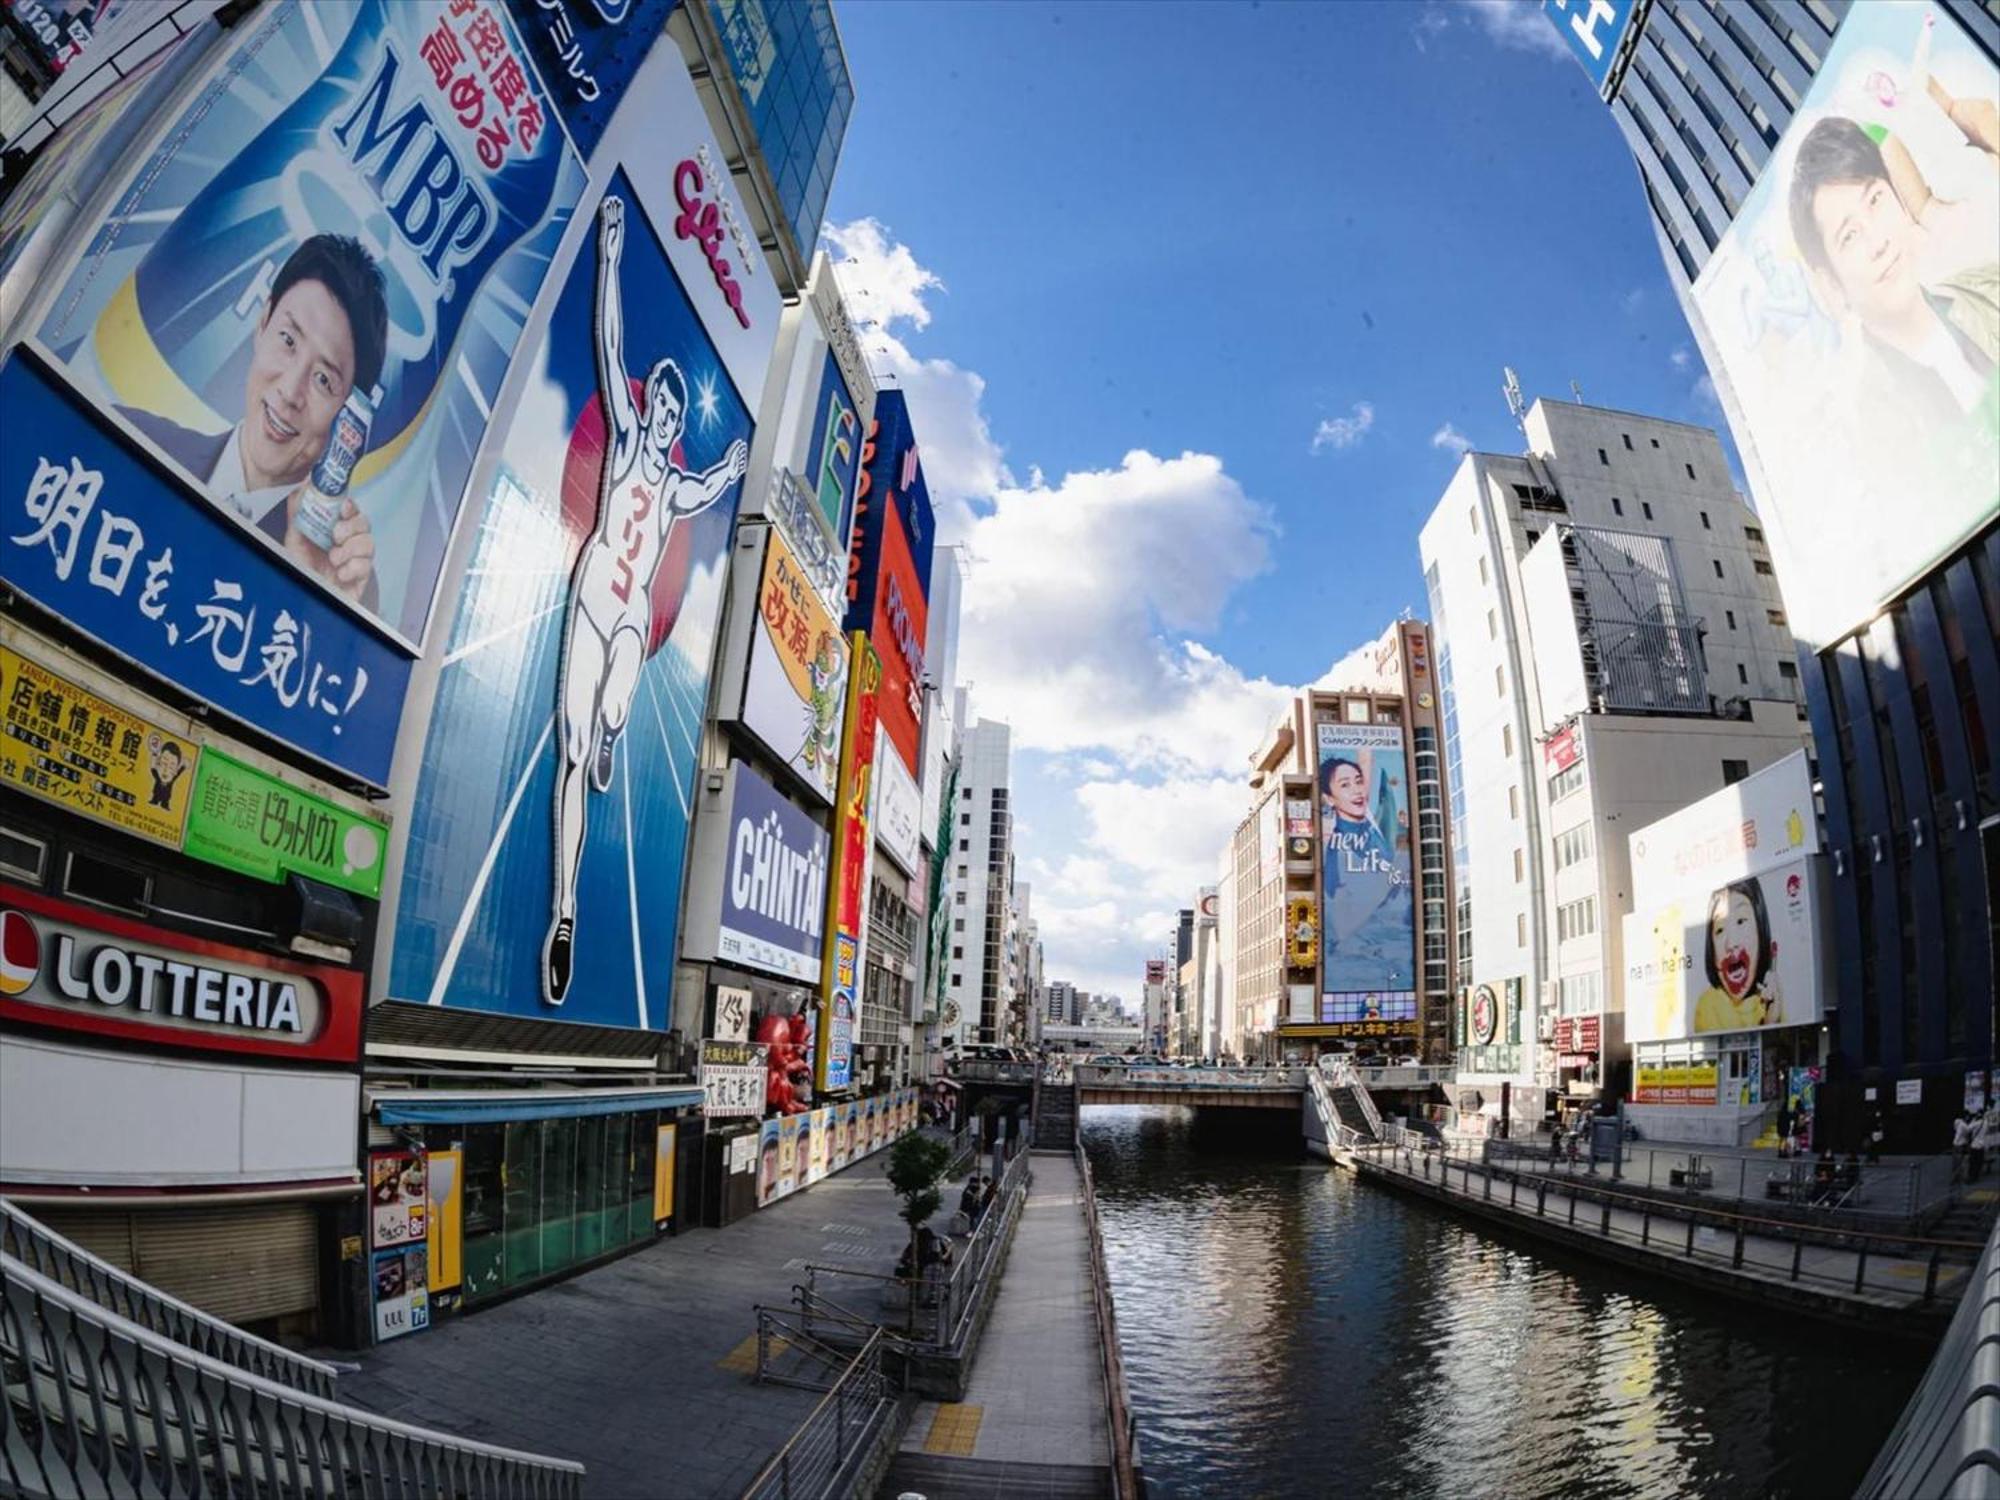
1610 647
1062 1004
1025 968
1227 1042
1258 879
1900 664
979 989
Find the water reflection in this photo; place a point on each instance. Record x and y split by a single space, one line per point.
1288 1331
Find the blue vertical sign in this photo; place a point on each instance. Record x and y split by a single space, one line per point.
1593 30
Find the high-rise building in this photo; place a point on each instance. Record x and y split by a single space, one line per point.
1871 449
1257 877
979 990
1063 1003
1610 647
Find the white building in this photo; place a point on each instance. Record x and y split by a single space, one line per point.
1061 1004
978 989
1611 646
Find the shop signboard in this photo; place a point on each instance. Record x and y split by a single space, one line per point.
1298 828
257 825
65 745
1690 1084
587 51
732 1079
898 811
835 449
773 891
398 1198
1909 1091
1743 958
80 969
561 756
853 846
110 543
1302 931
732 1014
1753 825
1368 928
1356 1006
898 629
401 1289
795 680
312 293
1850 309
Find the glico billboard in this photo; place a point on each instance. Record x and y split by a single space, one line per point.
1854 307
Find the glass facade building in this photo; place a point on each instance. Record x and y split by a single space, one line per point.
792 73
1905 709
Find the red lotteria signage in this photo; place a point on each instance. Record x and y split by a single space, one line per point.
89 971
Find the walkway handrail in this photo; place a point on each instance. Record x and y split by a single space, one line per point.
968 1275
819 1460
100 1404
1124 1433
35 1245
1340 1073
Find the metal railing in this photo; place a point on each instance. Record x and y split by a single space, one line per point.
1123 1427
1338 1070
828 1456
1203 1077
1769 1245
67 1263
96 1404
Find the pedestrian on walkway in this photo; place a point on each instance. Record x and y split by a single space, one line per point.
1961 1144
1976 1149
1785 1129
968 1200
1875 1133
987 1195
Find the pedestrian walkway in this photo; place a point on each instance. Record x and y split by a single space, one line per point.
642 1368
1032 1423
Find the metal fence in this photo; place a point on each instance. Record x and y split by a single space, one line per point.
1123 1426
97 1404
828 1456
67 1263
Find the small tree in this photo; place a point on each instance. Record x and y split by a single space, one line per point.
916 1165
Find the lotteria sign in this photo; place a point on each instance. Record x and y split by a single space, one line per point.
88 971
774 882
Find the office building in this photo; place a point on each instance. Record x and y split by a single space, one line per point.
1877 484
979 991
1610 647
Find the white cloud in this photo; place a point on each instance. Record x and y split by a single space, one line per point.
1704 393
1451 439
881 279
1681 358
1519 25
1431 23
1344 432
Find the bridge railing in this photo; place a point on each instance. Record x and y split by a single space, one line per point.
829 1454
982 1070
38 1247
93 1403
1339 1072
1234 1080
1122 1425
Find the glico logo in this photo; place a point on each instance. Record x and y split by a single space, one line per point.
117 977
701 220
436 205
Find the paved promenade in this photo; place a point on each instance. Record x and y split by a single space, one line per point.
642 1369
1032 1424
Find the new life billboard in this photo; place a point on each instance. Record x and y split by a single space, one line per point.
1854 306
1367 943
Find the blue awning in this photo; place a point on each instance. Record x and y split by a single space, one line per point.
461 1107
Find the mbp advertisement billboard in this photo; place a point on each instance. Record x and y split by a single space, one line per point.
1742 957
1367 941
1854 305
310 296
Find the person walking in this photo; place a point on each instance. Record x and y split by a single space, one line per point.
1875 1134
1979 1136
1961 1145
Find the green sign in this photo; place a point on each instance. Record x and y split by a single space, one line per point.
243 820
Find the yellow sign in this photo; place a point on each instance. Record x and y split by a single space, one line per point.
66 745
1302 931
1675 1083
447 1195
663 1175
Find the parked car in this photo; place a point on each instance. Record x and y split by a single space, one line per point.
1107 1060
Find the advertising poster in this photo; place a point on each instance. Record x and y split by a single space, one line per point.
587 52
398 1198
312 293
795 684
664 1145
835 450
897 629
840 992
257 825
1689 1084
1760 822
822 1143
1301 932
848 1141
806 1134
65 745
402 1292
444 1242
1855 307
732 1079
892 479
1298 828
1368 925
788 1151
898 812
773 896
550 822
1746 958
770 1152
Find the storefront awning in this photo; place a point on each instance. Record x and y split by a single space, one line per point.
479 1106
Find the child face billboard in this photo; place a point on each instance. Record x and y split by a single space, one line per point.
1743 958
311 295
1367 939
1855 307
550 823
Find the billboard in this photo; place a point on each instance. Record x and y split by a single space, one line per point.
1744 956
834 452
898 812
769 907
1592 30
1367 927
1753 825
795 680
310 296
1854 308
548 831
892 479
853 847
897 630
587 51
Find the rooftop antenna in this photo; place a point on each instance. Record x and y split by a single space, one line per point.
1576 391
1512 391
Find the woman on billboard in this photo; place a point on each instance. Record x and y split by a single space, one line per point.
1365 892
1741 961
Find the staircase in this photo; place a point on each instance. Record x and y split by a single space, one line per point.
1055 1116
1344 1105
109 1386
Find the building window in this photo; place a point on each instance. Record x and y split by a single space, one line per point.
1573 845
1628 440
1759 565
965 820
1655 442
1507 739
1704 522
958 953
1604 458
1716 563
1775 616
958 898
1482 570
1788 669
1576 919
1734 771
1646 509
1513 802
957 981
1520 929
1579 995
1355 710
1617 506
1566 781
1492 625
958 924
963 845
1472 515
1690 469
1500 682
1742 675
1730 616
1531 536
1520 866
1755 533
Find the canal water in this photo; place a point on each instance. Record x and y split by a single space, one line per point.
1288 1331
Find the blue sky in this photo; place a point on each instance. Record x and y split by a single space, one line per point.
1192 303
